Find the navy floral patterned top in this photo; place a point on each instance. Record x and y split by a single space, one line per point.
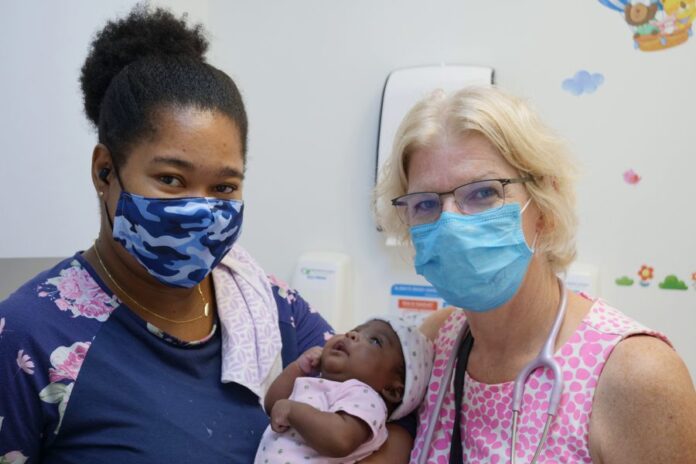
84 379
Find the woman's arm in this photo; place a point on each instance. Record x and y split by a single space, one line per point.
25 413
310 329
396 450
20 412
644 406
331 434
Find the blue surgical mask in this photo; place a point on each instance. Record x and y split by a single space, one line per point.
475 262
179 240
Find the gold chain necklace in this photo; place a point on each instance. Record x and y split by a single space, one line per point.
200 292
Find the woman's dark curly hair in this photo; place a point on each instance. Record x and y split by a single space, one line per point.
143 63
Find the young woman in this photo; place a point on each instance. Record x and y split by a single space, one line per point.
155 344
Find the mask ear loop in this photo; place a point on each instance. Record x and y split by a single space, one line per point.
120 184
534 242
536 236
525 206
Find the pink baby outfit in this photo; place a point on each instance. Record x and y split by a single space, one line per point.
486 409
352 397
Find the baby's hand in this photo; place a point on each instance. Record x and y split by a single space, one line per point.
310 360
279 416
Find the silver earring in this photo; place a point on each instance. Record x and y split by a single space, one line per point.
101 194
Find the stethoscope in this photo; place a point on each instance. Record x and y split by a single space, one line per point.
464 342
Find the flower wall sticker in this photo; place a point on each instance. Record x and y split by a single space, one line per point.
646 275
656 24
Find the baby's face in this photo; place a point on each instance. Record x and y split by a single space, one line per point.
370 353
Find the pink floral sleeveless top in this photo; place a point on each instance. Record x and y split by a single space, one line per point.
486 409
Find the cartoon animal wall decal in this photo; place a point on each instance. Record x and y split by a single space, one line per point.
656 24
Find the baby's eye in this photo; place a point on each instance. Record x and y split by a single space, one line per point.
375 341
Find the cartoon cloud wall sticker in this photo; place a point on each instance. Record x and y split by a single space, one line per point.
656 24
583 82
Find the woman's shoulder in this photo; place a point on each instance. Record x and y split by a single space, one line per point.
640 354
442 321
606 319
54 298
296 314
645 392
57 312
286 297
290 303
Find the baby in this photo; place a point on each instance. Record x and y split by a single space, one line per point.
376 371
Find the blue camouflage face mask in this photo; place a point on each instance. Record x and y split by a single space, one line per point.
178 240
476 262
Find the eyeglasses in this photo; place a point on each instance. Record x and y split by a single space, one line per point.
472 198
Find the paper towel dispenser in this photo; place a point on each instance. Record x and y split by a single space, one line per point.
405 87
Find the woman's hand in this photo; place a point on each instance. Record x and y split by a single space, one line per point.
309 362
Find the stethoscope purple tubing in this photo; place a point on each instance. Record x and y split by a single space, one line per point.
543 359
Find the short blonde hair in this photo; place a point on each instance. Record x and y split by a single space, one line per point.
517 132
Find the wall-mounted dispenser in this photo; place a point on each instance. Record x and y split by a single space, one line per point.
405 87
582 277
324 279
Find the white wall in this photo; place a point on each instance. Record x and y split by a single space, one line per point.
46 140
48 205
312 73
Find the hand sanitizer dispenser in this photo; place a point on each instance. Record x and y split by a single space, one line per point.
582 277
324 280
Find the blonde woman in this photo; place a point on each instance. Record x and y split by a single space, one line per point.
484 193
